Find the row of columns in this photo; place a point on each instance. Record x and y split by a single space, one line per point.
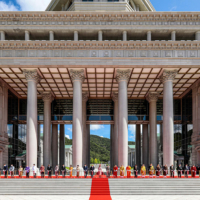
100 35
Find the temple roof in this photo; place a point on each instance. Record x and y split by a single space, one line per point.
92 5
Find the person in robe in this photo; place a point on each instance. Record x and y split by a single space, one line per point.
193 171
165 171
172 171
42 170
34 169
108 171
63 170
99 170
122 169
128 170
56 171
5 171
180 169
77 171
49 170
27 169
20 171
92 171
151 171
136 171
186 170
70 171
115 170
158 170
85 168
143 171
11 170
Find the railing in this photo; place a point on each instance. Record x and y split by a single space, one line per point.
138 117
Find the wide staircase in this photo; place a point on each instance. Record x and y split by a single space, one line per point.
154 186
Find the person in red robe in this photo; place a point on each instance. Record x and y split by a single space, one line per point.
193 171
115 170
128 170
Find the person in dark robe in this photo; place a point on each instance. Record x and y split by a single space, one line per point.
186 170
136 171
49 170
172 171
165 171
85 169
92 171
63 170
27 169
5 171
193 171
180 169
158 170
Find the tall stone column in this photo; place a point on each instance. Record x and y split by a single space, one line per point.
85 132
88 149
145 145
173 35
124 35
3 35
116 121
54 145
122 77
112 140
167 78
62 145
47 98
27 35
152 98
100 35
39 150
149 36
138 146
32 78
77 77
51 35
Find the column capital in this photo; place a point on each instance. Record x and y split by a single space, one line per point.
123 75
114 96
32 75
85 96
77 75
152 96
168 75
47 96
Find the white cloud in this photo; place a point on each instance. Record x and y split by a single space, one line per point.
7 6
132 129
33 5
69 129
67 136
173 8
101 136
96 127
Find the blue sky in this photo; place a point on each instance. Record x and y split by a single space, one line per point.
160 5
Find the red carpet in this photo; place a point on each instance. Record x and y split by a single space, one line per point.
100 189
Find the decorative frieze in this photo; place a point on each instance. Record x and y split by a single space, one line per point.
168 75
123 75
47 96
152 96
32 75
77 75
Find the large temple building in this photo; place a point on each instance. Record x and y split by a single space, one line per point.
84 62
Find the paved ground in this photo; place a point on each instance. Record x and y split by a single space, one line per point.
117 197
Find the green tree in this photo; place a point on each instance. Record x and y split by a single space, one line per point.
91 160
95 161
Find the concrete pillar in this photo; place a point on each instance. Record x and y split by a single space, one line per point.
51 35
100 35
124 35
88 151
116 121
32 78
47 98
68 160
112 151
152 98
62 145
54 145
77 77
173 35
75 35
149 36
145 145
27 35
197 35
122 77
3 35
85 132
138 146
39 150
167 78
